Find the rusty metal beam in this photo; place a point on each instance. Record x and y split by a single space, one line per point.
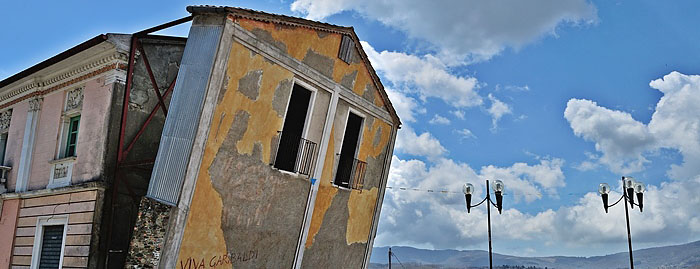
163 26
154 83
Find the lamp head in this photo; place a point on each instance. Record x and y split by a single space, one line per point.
603 188
468 188
639 187
498 186
629 182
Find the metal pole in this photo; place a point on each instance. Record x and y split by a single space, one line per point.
627 217
488 212
389 258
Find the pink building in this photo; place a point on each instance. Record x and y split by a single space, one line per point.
59 131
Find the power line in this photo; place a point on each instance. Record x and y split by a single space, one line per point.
448 192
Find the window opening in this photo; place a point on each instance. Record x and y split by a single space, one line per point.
72 136
51 244
3 148
347 164
291 141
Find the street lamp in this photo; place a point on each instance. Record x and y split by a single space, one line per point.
498 187
630 187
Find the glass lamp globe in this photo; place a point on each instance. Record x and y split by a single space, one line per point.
639 187
498 185
468 188
604 188
629 182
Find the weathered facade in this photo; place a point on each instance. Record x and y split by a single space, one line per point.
60 122
245 200
260 141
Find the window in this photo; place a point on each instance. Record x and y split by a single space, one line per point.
294 153
3 148
5 118
350 171
49 242
72 136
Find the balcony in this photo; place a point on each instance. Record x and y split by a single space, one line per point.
61 172
350 173
296 155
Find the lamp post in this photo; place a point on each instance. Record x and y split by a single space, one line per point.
630 187
498 187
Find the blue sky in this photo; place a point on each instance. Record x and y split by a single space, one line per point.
552 97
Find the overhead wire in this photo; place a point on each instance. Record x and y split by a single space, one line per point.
448 192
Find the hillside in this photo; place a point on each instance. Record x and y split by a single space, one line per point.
678 256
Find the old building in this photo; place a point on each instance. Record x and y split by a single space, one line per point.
60 129
260 141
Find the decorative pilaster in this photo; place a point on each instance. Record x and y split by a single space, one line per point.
5 118
25 159
35 104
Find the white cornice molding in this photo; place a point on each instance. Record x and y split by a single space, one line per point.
37 84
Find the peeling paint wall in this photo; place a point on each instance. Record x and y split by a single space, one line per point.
244 212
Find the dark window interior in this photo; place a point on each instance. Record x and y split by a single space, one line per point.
293 128
51 243
347 150
3 147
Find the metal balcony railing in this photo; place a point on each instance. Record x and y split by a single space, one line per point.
350 173
299 157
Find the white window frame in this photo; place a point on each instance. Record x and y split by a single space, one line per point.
359 141
61 161
307 120
39 234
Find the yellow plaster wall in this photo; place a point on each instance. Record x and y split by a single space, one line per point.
203 236
299 40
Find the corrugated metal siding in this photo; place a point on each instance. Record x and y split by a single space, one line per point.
183 114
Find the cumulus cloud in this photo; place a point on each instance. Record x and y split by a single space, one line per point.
676 120
526 181
471 30
426 76
624 141
440 220
437 119
497 110
425 144
405 106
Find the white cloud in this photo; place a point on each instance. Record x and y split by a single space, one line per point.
525 181
437 119
616 134
472 29
444 223
426 76
497 110
405 106
676 121
458 113
425 144
624 141
465 133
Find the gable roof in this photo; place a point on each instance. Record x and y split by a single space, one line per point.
299 22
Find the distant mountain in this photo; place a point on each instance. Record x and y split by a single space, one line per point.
678 256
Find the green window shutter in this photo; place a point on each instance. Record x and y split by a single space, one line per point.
72 136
